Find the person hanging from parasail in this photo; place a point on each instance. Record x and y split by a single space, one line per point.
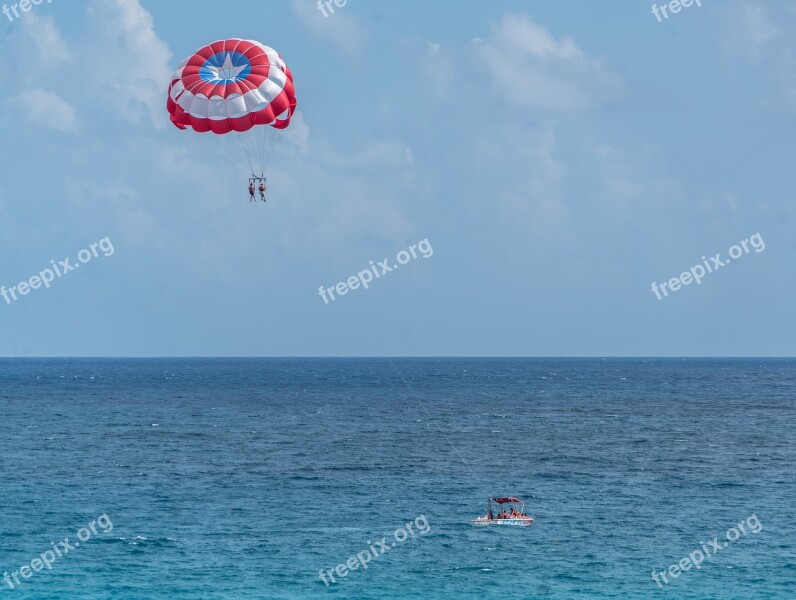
262 189
239 87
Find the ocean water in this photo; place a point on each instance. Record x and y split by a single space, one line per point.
244 478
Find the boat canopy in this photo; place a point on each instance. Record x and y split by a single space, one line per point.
506 500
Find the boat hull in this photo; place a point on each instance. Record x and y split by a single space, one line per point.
508 522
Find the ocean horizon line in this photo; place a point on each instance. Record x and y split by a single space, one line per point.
401 357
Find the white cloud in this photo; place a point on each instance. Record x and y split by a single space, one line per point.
50 48
17 233
379 155
622 189
45 108
534 70
758 29
134 68
33 50
629 186
534 201
438 68
760 36
788 77
123 65
338 195
746 31
604 150
298 133
341 29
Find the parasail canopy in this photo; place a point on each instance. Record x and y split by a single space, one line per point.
232 85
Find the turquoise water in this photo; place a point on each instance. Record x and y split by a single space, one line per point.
245 478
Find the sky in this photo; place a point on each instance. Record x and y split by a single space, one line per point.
558 157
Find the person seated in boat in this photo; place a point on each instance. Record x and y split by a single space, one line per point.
504 514
489 515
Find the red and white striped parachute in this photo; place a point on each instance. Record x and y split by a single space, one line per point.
232 86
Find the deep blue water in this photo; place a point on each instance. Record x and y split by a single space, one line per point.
245 478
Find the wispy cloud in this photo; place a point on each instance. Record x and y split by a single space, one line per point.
747 31
534 201
762 36
343 29
44 37
533 70
44 108
135 73
438 67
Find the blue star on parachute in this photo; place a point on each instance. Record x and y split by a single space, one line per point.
227 71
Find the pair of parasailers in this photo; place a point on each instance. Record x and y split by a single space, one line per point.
261 188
